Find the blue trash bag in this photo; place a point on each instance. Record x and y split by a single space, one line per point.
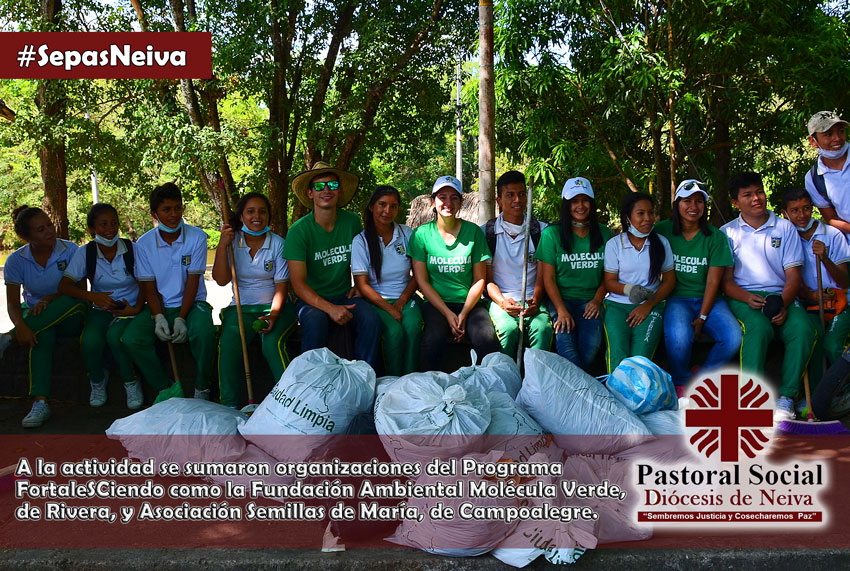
642 386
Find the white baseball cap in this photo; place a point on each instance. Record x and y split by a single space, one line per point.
447 180
575 186
690 186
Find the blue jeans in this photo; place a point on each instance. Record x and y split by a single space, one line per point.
581 345
679 335
315 322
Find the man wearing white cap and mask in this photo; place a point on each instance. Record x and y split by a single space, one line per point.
828 181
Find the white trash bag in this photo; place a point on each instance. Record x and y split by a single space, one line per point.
513 431
583 416
497 372
426 415
642 386
317 397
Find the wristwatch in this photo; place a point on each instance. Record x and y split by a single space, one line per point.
703 317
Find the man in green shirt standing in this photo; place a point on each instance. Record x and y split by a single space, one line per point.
318 250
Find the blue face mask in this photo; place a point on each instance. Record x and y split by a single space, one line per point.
253 233
106 241
808 226
168 229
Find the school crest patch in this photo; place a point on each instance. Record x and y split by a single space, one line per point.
775 241
268 265
186 260
400 250
61 264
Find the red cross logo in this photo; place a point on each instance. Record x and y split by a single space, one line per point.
728 418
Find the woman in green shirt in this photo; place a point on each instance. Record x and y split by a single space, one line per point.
701 253
570 256
449 265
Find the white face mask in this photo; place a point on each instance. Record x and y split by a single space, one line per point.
808 226
834 154
513 229
637 233
107 242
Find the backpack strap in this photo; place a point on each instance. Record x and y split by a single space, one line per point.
129 257
91 260
534 231
490 234
820 184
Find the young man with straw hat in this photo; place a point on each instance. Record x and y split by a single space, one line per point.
318 249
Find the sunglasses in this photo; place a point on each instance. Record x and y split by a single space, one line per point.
696 185
320 186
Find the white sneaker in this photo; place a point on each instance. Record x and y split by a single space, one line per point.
38 415
98 391
784 410
135 396
5 341
203 394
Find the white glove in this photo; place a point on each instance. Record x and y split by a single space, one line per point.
637 293
181 331
160 327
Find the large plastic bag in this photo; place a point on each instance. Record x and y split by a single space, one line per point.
516 433
381 386
497 372
427 415
317 396
581 414
455 537
642 386
181 430
664 422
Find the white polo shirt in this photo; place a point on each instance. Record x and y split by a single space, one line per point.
763 254
507 261
395 265
632 265
170 264
836 249
21 269
108 276
257 277
837 184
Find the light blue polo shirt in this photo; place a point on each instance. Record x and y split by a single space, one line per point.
22 270
763 254
632 265
170 264
507 261
836 249
108 276
395 264
257 277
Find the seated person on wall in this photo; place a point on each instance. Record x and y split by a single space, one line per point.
381 270
449 256
505 236
170 263
263 281
700 253
37 267
828 181
763 285
318 250
108 263
638 276
570 258
825 245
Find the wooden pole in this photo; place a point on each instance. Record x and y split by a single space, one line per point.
486 113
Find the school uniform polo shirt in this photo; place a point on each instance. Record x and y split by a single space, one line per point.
507 261
258 276
763 254
837 184
171 264
108 276
836 249
38 281
632 265
395 265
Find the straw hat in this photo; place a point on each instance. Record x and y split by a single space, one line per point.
347 181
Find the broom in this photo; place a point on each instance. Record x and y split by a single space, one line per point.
251 406
809 426
175 390
527 233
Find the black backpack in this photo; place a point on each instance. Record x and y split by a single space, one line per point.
490 234
820 184
91 258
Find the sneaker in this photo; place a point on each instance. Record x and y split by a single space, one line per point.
203 394
800 408
98 391
5 341
784 410
135 397
38 415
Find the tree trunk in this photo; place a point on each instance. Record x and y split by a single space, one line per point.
486 114
722 211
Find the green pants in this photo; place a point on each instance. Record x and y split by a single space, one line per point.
230 365
836 335
537 332
104 329
625 341
63 316
139 338
400 341
798 334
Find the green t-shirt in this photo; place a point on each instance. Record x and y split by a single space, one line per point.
327 254
693 257
449 267
579 274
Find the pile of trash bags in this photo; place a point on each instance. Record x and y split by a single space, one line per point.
556 413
